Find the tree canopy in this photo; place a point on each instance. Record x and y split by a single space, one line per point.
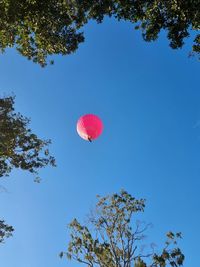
110 238
19 146
39 28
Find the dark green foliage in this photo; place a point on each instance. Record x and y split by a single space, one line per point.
38 28
19 147
110 238
5 231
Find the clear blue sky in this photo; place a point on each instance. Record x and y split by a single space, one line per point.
148 98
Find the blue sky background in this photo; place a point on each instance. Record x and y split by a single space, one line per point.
148 98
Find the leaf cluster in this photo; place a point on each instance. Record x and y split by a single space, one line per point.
5 231
38 28
19 146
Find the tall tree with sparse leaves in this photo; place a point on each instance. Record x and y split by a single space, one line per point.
111 238
39 28
19 146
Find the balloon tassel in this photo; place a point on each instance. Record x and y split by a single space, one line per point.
89 139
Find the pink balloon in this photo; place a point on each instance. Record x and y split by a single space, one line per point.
89 127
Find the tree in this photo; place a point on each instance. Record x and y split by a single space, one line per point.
39 28
5 231
19 146
110 239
